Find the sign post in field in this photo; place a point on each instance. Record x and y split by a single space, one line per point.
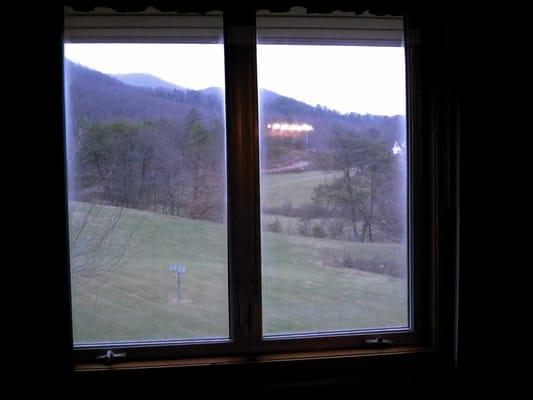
179 270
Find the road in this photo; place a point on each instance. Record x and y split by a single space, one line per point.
300 165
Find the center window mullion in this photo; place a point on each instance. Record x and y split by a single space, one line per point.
243 179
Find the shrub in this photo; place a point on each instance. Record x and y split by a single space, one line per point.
303 226
335 228
318 231
377 267
274 226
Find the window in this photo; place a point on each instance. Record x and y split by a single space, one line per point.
333 176
145 160
240 186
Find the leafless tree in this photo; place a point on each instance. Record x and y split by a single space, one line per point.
99 240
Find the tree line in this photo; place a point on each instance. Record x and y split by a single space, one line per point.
366 195
180 170
152 165
369 188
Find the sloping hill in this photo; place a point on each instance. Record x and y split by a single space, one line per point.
275 107
142 96
97 96
136 298
146 80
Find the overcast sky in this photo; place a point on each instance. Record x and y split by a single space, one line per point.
348 79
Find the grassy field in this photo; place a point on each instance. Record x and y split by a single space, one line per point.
123 290
303 292
295 187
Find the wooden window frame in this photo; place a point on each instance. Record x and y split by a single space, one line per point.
431 167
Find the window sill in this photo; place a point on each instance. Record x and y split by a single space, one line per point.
379 355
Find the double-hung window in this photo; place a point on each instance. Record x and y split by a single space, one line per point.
242 185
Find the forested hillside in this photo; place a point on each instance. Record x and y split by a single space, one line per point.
159 147
97 96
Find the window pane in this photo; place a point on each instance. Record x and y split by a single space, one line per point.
333 187
146 191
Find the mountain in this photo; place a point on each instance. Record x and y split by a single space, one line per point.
139 97
97 96
145 80
277 108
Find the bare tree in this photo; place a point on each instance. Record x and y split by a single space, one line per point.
362 162
100 241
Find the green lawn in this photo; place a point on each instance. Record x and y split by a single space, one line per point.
303 292
123 290
295 187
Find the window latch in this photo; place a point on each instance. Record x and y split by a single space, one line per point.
111 356
378 343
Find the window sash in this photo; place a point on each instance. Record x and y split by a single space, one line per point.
331 30
104 26
242 140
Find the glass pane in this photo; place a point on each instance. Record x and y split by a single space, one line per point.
146 191
333 187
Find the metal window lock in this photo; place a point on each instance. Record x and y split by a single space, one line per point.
378 342
111 356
